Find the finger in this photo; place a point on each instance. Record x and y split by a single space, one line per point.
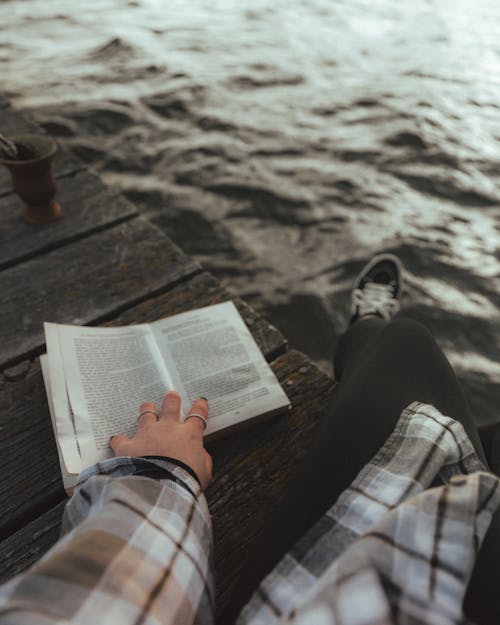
119 444
147 414
171 407
198 414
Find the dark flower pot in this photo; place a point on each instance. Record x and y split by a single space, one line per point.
32 177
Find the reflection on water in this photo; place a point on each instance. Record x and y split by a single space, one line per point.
283 143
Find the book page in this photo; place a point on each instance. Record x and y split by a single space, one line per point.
211 353
63 421
109 373
69 478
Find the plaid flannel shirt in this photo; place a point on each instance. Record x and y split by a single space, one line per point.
397 546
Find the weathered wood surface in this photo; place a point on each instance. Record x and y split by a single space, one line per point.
29 544
253 467
29 466
26 488
88 206
86 282
251 471
13 122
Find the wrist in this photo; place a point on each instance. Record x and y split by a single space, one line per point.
175 461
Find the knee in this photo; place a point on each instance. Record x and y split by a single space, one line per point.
409 333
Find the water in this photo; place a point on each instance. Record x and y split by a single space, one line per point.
284 143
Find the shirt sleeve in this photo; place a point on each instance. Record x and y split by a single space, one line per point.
135 550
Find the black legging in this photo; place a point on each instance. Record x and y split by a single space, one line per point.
382 367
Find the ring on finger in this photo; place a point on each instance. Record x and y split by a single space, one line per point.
147 412
199 416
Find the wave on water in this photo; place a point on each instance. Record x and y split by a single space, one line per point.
112 50
284 145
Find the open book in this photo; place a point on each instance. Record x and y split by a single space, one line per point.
96 378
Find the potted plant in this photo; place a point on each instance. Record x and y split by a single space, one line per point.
29 158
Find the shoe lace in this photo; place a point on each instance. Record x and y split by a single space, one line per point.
376 298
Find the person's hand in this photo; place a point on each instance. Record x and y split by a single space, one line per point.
167 436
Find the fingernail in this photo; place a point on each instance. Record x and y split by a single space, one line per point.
204 399
112 437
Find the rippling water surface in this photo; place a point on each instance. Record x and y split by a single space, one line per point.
283 143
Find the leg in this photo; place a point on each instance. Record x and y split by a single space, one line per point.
382 367
385 357
490 439
480 604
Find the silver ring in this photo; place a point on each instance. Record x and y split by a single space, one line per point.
146 412
200 416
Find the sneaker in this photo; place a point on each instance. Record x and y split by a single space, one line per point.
377 289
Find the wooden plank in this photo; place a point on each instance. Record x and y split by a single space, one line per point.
86 282
31 481
240 499
252 468
88 206
29 487
28 545
14 122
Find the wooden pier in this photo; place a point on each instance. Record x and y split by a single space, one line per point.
104 264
